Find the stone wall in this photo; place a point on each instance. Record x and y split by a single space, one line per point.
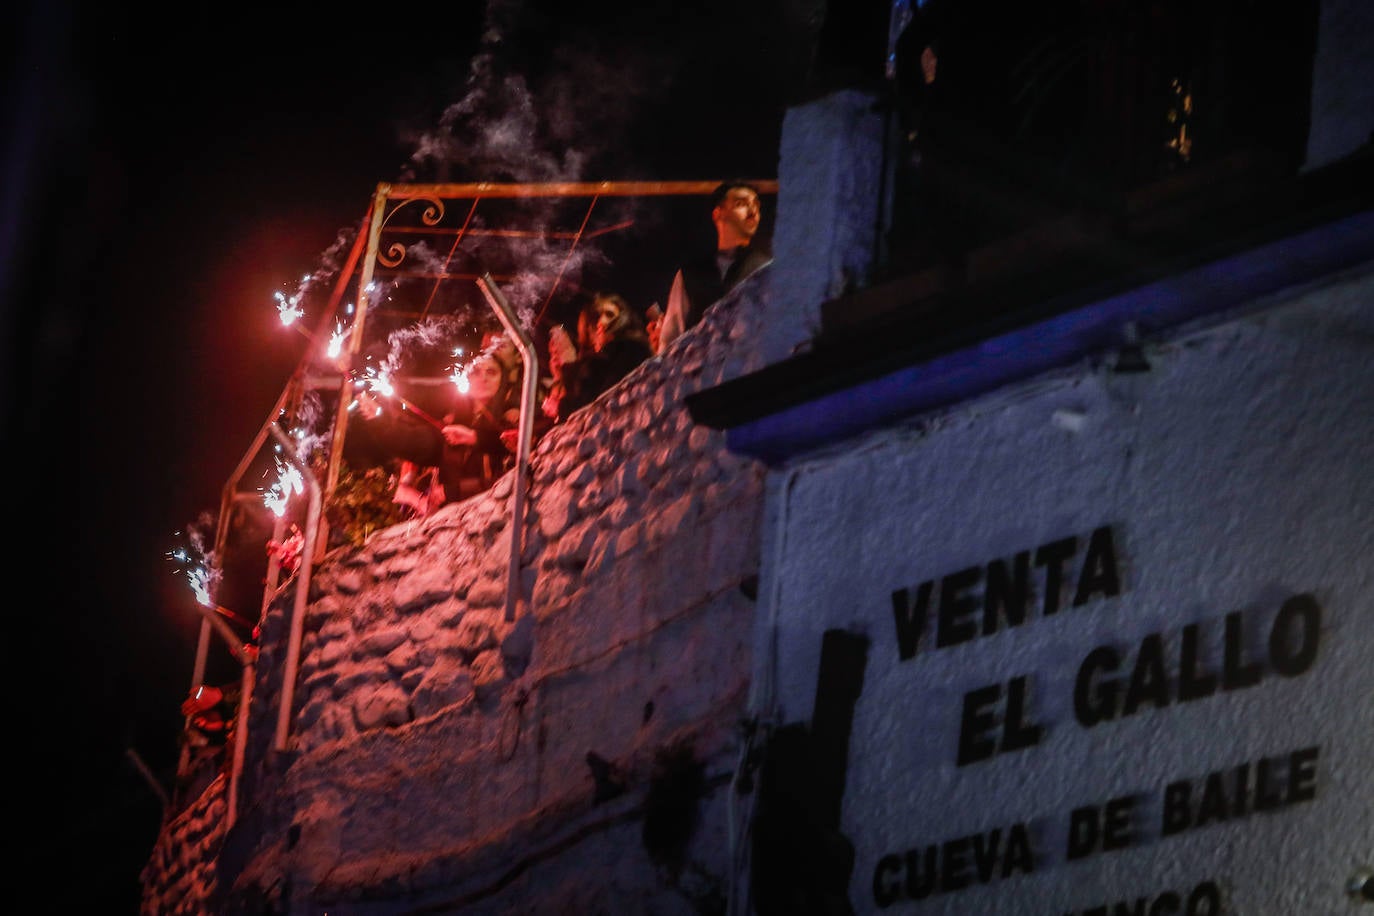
442 758
181 874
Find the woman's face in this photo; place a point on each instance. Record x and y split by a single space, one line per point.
484 378
607 313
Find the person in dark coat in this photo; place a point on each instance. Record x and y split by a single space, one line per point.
479 430
611 342
739 251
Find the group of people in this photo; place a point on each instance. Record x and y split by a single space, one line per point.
466 443
611 341
454 446
458 443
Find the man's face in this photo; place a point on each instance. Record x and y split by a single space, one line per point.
736 217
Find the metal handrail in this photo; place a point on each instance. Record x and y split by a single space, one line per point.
293 647
529 390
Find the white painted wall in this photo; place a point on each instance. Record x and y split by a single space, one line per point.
1234 475
831 193
1342 82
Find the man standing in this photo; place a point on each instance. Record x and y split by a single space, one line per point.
702 281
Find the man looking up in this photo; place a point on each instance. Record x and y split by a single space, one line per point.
702 281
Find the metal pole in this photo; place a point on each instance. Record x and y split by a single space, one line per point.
377 214
293 646
566 189
147 774
211 619
529 391
240 738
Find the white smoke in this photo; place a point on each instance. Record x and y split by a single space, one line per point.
547 97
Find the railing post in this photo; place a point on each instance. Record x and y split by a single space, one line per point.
529 391
293 647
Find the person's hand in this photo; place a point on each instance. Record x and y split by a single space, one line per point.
550 406
561 347
510 438
209 722
201 699
653 320
458 434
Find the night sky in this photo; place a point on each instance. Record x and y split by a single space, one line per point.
165 176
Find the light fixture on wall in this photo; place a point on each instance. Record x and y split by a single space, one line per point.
1131 357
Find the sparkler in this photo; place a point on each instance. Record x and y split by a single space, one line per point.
197 573
288 310
289 483
459 376
336 340
199 578
381 385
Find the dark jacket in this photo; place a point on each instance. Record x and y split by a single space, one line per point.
704 285
591 375
465 470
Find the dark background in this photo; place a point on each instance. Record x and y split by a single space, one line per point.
165 176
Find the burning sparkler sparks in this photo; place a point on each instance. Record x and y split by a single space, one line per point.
378 384
195 565
289 309
289 483
336 340
459 373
